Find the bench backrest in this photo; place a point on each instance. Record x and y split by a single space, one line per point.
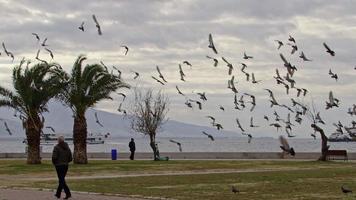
337 152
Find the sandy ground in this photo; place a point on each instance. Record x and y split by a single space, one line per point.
31 194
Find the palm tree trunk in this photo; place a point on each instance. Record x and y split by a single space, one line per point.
33 134
80 139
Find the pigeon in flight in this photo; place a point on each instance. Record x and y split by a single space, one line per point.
246 56
221 108
287 64
253 79
276 125
182 75
37 37
209 136
50 53
179 92
294 48
197 102
211 44
97 25
136 74
216 62
8 53
280 44
251 123
97 119
37 57
291 39
7 128
187 63
229 65
332 101
272 100
285 146
51 128
81 27
212 119
302 56
160 74
218 126
159 81
202 96
328 50
333 75
239 125
122 94
177 143
318 119
126 49
248 135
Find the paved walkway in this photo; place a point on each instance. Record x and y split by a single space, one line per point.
30 194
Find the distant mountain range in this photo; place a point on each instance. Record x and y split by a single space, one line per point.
60 118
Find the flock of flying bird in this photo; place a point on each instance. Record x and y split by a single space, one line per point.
240 102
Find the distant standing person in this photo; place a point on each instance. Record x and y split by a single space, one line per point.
132 147
61 157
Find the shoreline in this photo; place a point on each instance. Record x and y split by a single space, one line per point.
190 155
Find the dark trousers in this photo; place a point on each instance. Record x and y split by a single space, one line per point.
132 156
61 173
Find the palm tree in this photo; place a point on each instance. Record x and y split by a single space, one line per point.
33 88
85 88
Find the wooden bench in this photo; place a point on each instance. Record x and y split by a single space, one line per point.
334 154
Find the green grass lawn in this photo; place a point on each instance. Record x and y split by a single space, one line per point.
291 180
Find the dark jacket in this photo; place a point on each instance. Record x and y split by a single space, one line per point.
61 154
132 146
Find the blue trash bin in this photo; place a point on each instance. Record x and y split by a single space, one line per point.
113 154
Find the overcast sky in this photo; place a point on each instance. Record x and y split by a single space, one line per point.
165 33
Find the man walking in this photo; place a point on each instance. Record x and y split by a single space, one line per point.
132 147
61 157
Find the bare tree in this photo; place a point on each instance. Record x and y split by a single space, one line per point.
312 115
149 114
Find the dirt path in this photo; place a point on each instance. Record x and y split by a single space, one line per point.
31 194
